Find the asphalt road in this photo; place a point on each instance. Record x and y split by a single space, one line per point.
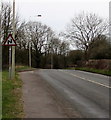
87 92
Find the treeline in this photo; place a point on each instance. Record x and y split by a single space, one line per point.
86 32
46 47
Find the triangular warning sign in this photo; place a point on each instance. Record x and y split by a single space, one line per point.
9 41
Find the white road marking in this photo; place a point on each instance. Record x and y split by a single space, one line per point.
87 79
95 74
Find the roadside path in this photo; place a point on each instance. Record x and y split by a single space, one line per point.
38 99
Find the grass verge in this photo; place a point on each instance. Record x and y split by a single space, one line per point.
12 106
103 72
23 68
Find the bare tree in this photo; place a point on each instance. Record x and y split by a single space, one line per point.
64 48
21 36
6 19
39 36
6 28
84 29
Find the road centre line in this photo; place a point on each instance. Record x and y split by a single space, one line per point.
86 79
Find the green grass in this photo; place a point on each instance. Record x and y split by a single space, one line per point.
11 97
23 68
104 72
12 106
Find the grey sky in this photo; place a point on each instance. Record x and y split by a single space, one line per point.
58 13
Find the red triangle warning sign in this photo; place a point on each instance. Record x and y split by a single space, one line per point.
9 41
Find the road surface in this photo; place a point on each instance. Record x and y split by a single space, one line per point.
87 92
37 98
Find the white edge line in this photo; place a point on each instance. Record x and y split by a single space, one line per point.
86 79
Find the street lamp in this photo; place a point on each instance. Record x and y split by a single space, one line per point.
39 15
30 65
30 54
51 54
13 47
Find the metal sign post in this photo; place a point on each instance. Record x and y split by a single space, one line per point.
10 61
10 42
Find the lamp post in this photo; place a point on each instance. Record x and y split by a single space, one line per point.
51 54
13 47
30 54
30 63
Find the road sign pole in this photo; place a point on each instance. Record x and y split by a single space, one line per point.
13 47
10 62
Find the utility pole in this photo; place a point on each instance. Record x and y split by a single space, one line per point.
51 54
30 53
13 47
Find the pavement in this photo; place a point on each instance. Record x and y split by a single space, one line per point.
41 100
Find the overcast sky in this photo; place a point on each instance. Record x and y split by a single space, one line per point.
58 13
